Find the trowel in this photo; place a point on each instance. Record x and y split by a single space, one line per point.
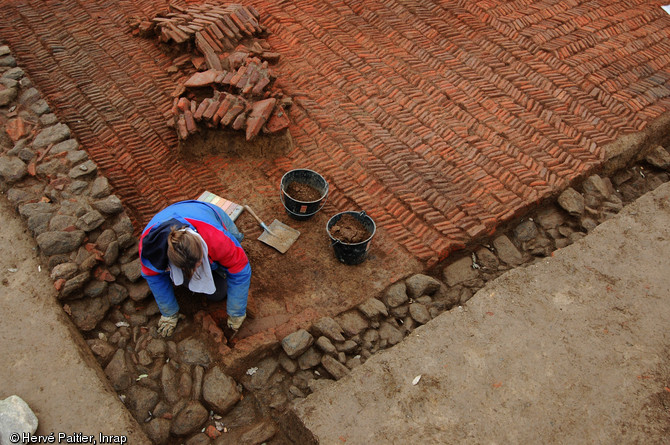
277 235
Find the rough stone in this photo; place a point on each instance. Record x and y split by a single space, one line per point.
15 417
105 239
189 419
95 288
507 252
486 259
158 430
185 384
419 313
193 352
87 313
140 401
77 187
400 311
118 372
352 323
326 346
48 119
40 107
309 359
53 243
347 347
51 168
138 291
396 295
62 222
571 201
296 343
169 384
259 433
132 270
659 157
220 391
30 95
144 358
198 375
294 390
34 208
389 334
8 61
100 188
525 231
7 96
373 308
420 284
51 135
111 253
74 284
64 271
594 185
66 146
90 221
14 73
76 157
83 170
588 223
27 83
460 271
111 205
39 223
265 370
12 169
123 227
328 327
156 347
334 368
18 196
287 364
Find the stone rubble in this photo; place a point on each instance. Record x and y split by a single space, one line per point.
15 417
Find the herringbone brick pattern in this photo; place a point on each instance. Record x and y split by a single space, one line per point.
439 118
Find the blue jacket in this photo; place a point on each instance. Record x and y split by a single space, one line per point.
224 250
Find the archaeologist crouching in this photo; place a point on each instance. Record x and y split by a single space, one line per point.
195 243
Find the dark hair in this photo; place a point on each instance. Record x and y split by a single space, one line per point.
184 250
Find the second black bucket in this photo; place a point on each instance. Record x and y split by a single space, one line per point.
303 210
352 253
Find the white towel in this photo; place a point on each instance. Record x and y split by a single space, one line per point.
202 280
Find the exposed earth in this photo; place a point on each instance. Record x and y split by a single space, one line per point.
460 122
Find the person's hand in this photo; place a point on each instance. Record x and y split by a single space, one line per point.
166 325
234 323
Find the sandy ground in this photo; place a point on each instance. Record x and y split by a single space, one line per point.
572 349
44 358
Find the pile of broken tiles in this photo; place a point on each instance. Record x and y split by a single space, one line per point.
235 64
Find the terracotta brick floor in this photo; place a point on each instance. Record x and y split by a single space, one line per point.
439 118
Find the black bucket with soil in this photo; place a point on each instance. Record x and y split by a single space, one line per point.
350 233
303 193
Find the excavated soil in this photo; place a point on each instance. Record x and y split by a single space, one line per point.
303 192
349 230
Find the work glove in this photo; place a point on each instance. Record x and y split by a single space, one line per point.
166 325
234 323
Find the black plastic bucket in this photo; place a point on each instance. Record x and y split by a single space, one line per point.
352 253
302 210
